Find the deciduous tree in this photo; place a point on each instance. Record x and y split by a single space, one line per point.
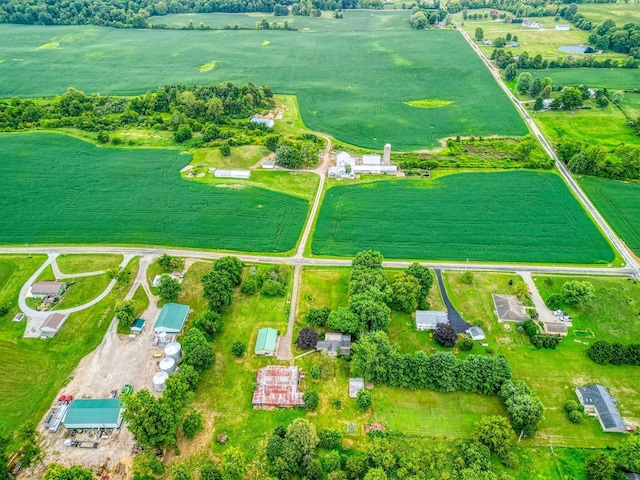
198 351
307 338
445 335
169 288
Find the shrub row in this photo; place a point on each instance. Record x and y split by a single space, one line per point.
604 352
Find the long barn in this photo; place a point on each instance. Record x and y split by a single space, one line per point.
93 413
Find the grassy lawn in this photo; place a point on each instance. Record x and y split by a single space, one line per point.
619 202
39 368
85 181
296 184
456 217
245 156
611 78
587 126
70 264
363 109
84 290
554 374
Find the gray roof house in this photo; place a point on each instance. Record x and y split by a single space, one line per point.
509 308
333 342
429 319
599 403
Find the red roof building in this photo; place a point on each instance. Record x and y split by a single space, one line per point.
277 387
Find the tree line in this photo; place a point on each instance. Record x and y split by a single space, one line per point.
135 13
604 353
505 58
620 163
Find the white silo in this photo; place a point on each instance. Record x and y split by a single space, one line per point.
386 157
160 380
168 364
173 350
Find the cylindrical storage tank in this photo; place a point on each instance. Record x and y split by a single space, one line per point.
159 381
168 364
163 337
173 350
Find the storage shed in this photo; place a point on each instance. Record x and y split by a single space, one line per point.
476 333
93 413
138 325
172 318
266 341
52 324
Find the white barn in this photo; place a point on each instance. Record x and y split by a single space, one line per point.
343 158
223 173
375 169
371 160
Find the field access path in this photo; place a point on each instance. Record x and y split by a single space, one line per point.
629 258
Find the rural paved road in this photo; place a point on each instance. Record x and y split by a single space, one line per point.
628 256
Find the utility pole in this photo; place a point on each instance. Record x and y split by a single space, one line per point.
26 245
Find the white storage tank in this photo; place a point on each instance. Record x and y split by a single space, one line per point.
160 380
173 350
168 364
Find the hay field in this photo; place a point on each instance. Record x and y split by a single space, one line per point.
619 202
611 78
516 216
58 189
621 13
352 77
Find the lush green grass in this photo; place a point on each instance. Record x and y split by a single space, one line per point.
547 463
520 216
611 78
244 156
84 290
70 264
132 196
603 126
39 368
554 374
619 202
355 94
621 13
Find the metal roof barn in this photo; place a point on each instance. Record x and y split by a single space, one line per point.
266 341
91 413
277 387
172 318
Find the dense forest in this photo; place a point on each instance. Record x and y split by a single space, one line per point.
134 13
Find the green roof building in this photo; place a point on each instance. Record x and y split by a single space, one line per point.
93 413
137 325
266 342
171 318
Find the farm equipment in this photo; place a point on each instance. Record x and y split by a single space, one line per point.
126 390
102 471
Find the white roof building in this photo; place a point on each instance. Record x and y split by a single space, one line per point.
343 158
371 160
476 333
376 169
223 173
429 319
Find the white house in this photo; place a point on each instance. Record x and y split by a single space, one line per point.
343 158
430 319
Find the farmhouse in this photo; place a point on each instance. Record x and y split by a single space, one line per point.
487 41
509 308
266 342
52 324
529 24
355 385
334 342
371 160
172 318
263 121
476 333
137 326
599 403
429 319
343 158
224 173
44 289
277 387
562 27
93 413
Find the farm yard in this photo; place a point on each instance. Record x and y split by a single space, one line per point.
519 216
91 194
619 202
336 84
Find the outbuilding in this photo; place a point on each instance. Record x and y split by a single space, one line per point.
355 385
138 325
371 159
172 318
430 319
52 324
476 333
44 289
266 342
225 173
93 413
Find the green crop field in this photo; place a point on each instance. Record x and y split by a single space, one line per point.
57 189
611 78
352 76
517 216
619 202
621 13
